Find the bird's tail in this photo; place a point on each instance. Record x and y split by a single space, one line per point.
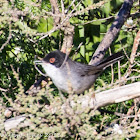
111 60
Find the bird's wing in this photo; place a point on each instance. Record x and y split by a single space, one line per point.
84 69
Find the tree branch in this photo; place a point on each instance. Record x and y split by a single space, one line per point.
112 32
55 11
8 39
118 94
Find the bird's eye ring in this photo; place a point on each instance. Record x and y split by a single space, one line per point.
52 60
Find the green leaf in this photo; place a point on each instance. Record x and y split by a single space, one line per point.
107 9
45 25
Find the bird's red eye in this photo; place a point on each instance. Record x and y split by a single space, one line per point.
52 60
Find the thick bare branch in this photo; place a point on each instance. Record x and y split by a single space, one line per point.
118 95
13 122
112 32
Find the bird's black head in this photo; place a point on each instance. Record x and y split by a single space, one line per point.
55 58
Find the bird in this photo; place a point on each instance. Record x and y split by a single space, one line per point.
70 76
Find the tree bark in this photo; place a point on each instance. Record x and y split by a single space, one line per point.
110 36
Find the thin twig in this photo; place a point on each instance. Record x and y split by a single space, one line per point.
40 71
61 24
95 20
94 6
62 7
2 89
112 71
66 11
7 41
133 54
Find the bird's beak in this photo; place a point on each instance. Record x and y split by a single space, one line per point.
38 62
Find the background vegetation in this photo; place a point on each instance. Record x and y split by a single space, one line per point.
22 24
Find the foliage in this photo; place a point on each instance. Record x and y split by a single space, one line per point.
48 117
22 24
